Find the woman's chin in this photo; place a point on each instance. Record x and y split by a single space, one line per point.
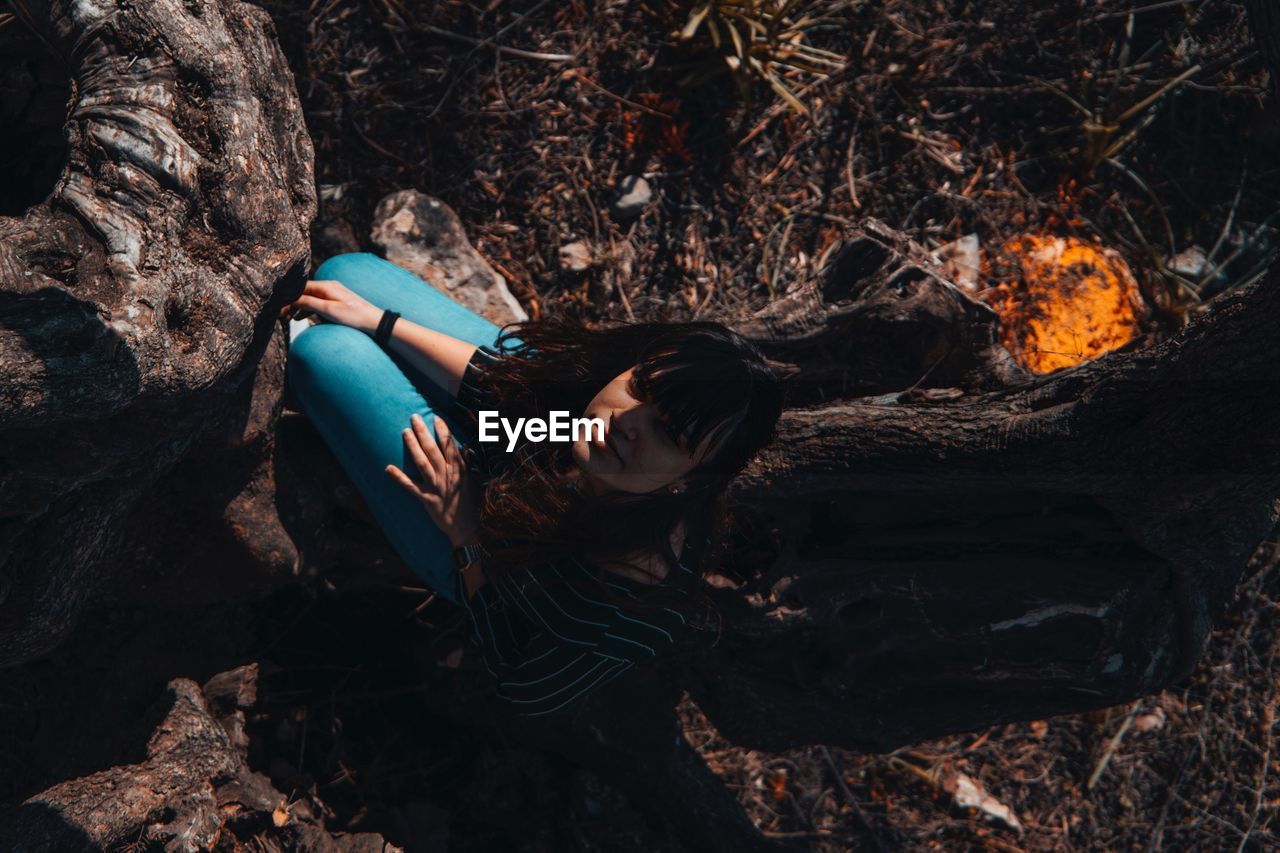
581 453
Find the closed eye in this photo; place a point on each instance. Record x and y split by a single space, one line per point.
635 389
668 430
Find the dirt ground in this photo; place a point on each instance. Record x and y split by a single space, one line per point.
1144 132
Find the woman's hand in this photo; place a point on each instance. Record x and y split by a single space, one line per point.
337 304
448 491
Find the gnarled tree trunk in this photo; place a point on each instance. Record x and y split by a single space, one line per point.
135 321
193 789
1060 544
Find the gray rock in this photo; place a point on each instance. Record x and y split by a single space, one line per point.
634 195
424 235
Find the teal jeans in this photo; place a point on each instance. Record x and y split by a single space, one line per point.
360 397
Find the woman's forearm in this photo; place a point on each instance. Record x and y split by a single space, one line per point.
442 358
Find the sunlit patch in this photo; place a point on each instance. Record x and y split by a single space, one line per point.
1064 302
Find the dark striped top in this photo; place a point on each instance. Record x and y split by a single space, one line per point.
549 635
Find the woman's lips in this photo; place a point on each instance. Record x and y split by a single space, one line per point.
608 440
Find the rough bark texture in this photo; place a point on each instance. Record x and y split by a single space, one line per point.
971 545
193 790
134 299
880 317
1062 544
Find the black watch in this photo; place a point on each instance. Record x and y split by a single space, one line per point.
382 334
465 555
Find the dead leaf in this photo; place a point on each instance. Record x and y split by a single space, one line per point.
968 793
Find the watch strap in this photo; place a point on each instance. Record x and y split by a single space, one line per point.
465 555
383 333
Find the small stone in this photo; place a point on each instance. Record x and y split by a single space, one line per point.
1150 722
634 195
576 257
1190 262
1193 264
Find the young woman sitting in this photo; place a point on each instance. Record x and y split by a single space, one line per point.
576 559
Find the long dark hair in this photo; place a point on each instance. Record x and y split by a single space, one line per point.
709 384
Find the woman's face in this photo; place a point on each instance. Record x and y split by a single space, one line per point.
636 455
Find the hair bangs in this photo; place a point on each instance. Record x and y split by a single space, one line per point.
702 396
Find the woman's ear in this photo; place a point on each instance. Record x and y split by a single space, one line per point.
676 488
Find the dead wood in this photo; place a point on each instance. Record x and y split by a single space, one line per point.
134 298
193 790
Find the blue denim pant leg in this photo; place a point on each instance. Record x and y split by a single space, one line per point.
360 398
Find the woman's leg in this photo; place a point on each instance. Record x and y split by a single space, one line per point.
389 286
360 398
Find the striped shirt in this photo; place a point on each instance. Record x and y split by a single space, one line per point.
551 635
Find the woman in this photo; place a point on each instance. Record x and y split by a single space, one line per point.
575 560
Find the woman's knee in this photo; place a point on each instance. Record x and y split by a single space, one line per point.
356 270
340 266
327 349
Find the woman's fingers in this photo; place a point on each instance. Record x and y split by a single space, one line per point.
427 444
438 457
421 459
404 480
453 454
329 289
444 444
303 304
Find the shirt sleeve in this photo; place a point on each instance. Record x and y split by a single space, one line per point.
472 393
473 396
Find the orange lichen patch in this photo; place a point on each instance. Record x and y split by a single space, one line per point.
1065 302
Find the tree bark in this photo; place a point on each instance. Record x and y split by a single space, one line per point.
135 320
1061 544
193 789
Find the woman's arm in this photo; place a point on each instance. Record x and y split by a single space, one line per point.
442 358
472 578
